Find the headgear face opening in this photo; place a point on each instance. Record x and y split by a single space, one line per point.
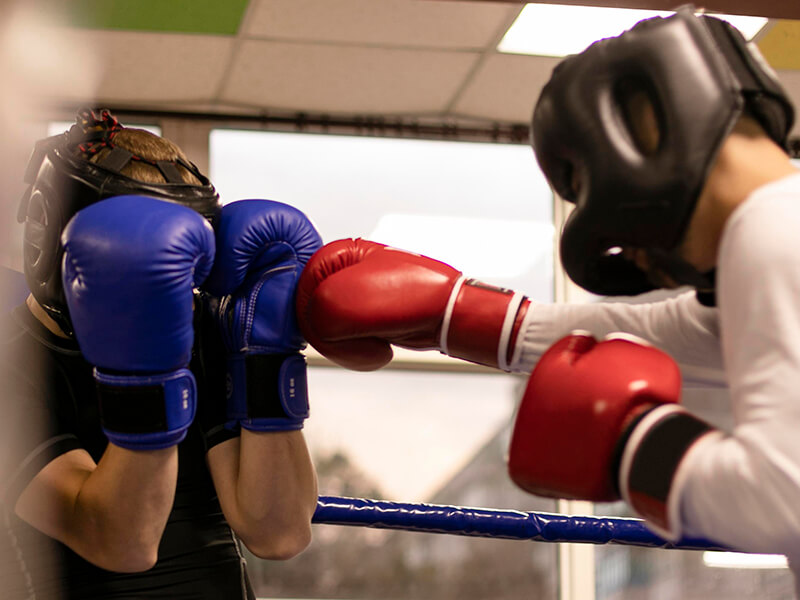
634 185
63 181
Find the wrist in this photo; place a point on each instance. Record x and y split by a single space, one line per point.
651 461
146 412
267 392
481 323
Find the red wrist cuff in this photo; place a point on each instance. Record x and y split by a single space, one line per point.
480 322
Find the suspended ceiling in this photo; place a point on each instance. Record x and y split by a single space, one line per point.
426 59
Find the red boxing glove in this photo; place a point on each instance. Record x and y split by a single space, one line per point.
355 298
600 420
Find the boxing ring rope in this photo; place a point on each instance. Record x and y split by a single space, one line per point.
494 523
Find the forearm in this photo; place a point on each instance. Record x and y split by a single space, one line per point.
680 326
743 491
124 505
267 487
112 514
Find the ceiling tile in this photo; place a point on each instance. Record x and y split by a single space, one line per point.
505 87
424 23
780 45
151 67
345 79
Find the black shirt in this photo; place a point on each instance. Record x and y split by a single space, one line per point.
48 407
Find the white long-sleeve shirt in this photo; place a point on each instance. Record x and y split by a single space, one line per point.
740 489
681 326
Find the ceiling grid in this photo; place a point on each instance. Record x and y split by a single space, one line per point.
374 59
488 51
234 53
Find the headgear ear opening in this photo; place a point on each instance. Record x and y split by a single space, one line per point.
63 180
641 115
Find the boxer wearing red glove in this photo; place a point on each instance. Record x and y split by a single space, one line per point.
356 298
600 420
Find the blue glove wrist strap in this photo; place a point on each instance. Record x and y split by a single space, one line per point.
268 392
146 412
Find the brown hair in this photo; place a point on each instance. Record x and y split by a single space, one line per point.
149 147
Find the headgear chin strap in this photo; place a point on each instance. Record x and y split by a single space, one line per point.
63 181
700 76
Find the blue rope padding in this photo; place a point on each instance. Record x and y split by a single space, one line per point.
495 523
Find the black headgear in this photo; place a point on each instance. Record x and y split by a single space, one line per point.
63 181
700 76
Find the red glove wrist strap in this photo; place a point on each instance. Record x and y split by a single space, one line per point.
481 322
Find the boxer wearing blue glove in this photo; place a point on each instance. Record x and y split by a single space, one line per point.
120 518
262 247
130 265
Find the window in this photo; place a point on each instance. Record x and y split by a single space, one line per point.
484 208
428 433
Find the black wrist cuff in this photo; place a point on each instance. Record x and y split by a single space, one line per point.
652 457
268 391
138 409
264 389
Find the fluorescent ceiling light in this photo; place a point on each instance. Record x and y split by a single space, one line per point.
738 560
559 30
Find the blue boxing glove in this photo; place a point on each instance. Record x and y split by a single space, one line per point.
262 247
130 266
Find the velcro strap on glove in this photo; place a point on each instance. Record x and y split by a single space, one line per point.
268 392
146 412
651 461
